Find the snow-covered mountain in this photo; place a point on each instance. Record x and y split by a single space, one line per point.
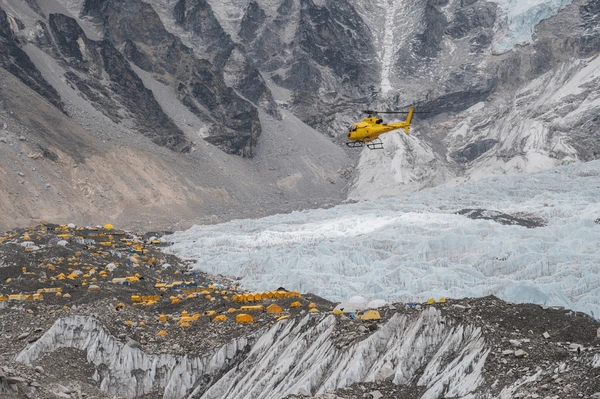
514 87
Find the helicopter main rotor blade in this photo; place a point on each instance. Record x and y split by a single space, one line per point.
394 112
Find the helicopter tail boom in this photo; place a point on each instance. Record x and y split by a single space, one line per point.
406 124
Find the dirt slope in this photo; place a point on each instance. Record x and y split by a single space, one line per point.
53 169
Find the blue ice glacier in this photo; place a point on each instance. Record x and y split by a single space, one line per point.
518 19
414 247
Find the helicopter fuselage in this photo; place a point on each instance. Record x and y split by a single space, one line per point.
371 128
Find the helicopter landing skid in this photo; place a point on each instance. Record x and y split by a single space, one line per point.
376 144
355 144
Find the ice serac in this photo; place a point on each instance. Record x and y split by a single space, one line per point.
234 122
422 349
519 19
427 350
126 371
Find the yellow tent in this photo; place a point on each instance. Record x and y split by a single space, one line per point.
220 317
274 308
244 318
370 315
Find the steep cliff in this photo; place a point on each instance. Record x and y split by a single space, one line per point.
136 26
17 62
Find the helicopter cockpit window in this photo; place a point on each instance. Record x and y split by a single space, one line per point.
379 121
354 128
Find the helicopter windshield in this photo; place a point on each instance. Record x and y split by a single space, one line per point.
353 128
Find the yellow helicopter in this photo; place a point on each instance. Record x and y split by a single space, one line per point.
368 131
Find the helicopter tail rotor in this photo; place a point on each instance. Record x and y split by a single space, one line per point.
411 111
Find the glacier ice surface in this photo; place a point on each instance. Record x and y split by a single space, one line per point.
519 19
415 246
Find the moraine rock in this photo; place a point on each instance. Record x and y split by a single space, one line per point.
519 353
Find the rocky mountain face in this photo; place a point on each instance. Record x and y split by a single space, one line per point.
135 26
319 57
14 60
105 79
105 114
506 89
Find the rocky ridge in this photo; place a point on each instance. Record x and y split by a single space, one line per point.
14 60
235 124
